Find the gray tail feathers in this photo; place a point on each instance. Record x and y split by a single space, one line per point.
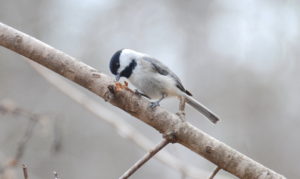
201 108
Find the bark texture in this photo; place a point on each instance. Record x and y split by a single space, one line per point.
165 122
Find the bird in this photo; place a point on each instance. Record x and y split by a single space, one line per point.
153 79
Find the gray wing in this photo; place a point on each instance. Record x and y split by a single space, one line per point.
164 70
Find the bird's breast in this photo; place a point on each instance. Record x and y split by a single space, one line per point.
154 84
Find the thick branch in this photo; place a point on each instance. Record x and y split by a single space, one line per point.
215 151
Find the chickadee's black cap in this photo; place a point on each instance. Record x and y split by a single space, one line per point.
114 64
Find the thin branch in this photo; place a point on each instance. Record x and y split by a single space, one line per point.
160 119
25 172
215 172
10 108
124 129
23 142
57 137
144 159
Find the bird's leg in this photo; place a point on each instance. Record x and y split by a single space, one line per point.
137 92
181 112
156 103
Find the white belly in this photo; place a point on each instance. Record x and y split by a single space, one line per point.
154 85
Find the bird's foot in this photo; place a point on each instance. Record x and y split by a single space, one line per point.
154 104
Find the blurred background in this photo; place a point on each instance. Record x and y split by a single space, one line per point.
237 57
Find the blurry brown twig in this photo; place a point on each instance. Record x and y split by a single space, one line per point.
144 159
25 172
21 146
23 142
215 172
57 137
8 107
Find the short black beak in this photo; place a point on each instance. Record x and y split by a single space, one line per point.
118 76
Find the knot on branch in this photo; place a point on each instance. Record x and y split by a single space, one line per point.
109 93
170 137
96 75
209 149
18 41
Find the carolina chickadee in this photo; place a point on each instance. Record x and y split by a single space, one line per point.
153 79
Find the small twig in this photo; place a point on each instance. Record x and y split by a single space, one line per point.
215 172
144 159
23 143
21 146
57 137
9 107
25 172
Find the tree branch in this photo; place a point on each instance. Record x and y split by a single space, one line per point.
186 134
10 108
215 172
144 159
25 172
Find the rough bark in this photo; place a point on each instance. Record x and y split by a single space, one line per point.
165 122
